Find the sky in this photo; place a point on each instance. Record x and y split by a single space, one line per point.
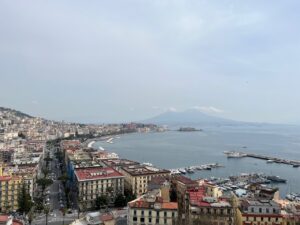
128 60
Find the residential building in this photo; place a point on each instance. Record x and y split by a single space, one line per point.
9 192
258 212
208 210
138 176
154 207
94 182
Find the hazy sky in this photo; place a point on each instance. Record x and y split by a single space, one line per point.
132 59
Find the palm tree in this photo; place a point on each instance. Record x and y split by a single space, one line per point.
30 216
46 211
64 210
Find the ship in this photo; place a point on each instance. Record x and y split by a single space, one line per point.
276 179
235 155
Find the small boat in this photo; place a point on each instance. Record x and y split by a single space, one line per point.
296 165
270 161
276 179
147 164
182 170
189 170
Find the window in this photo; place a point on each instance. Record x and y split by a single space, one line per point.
134 212
150 220
165 214
142 212
142 219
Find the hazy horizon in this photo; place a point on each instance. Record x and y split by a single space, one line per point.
130 60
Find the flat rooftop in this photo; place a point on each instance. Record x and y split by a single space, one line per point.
140 170
119 162
85 174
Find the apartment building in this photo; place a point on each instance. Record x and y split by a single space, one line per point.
154 207
138 176
9 192
208 210
259 211
97 181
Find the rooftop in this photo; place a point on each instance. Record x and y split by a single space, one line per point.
138 170
119 162
96 173
199 198
152 200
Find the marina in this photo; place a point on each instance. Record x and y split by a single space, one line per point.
269 159
192 169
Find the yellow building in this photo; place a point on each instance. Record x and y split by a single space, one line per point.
258 212
9 192
138 176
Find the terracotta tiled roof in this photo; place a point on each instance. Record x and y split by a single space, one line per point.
170 205
4 218
96 173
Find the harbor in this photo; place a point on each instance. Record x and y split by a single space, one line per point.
192 169
269 159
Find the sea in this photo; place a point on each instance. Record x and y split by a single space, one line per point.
174 149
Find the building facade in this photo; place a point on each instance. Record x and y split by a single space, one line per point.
138 176
94 182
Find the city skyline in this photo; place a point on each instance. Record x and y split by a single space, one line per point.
131 60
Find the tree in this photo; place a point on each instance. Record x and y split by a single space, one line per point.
45 171
120 201
64 178
47 160
64 210
101 201
129 196
24 200
43 183
30 216
46 211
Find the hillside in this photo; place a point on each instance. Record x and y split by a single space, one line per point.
15 112
190 117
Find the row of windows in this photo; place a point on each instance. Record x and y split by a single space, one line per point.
118 180
154 213
267 210
213 211
142 220
261 218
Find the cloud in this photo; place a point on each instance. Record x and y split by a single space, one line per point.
172 109
208 109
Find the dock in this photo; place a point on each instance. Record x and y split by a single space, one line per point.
293 163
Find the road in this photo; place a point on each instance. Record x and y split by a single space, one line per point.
56 196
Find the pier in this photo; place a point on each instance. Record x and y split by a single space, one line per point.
269 159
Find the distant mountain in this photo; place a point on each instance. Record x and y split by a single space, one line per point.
15 112
189 117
